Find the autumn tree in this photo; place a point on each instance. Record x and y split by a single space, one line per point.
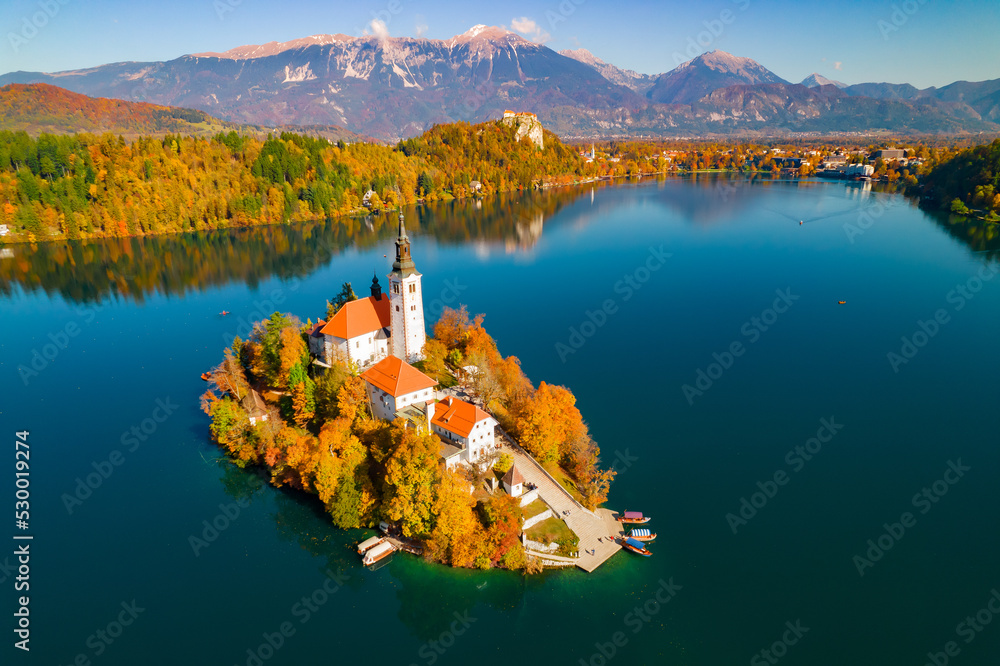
229 377
352 399
231 429
341 476
582 459
292 352
458 536
434 365
345 296
411 472
266 344
451 327
549 420
503 520
328 385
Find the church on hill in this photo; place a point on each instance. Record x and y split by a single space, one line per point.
368 330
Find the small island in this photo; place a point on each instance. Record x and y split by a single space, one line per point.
441 441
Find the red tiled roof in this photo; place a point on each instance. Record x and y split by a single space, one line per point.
513 476
317 331
457 416
397 377
365 315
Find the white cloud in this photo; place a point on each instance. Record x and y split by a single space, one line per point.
421 25
378 28
530 29
836 65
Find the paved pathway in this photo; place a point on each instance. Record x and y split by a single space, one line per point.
597 530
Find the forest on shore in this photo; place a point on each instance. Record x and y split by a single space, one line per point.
968 183
87 186
100 186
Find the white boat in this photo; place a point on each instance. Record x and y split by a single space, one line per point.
377 553
368 544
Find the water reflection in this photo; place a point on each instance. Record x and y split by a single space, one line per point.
133 268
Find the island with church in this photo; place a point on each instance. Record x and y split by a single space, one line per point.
440 442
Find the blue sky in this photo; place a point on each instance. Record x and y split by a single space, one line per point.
923 42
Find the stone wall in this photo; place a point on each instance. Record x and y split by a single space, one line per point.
534 520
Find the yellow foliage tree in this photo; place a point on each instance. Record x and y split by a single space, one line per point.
411 474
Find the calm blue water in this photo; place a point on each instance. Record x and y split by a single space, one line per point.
145 335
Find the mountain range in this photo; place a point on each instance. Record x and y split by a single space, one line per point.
395 87
39 107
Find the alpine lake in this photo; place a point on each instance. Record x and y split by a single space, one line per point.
822 476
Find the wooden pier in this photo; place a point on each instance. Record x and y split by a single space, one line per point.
405 545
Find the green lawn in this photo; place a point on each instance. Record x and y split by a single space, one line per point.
553 530
533 509
560 475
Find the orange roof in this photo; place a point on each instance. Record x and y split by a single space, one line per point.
317 331
355 318
513 476
397 377
457 416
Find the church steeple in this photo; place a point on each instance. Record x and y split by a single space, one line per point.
376 288
404 262
406 303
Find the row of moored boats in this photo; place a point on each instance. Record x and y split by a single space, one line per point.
637 537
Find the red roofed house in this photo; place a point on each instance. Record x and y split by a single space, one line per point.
467 431
394 384
359 332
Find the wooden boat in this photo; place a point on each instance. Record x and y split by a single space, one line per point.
368 544
637 547
841 302
632 518
207 376
641 534
379 552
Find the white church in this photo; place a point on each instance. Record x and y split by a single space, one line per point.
365 331
381 335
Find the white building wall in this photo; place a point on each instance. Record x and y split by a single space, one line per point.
479 442
481 439
385 406
365 350
406 305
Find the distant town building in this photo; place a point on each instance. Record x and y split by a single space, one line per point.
4 230
859 170
888 154
833 161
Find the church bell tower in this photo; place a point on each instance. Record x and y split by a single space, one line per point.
406 303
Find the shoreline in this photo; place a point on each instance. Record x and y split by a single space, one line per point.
361 213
